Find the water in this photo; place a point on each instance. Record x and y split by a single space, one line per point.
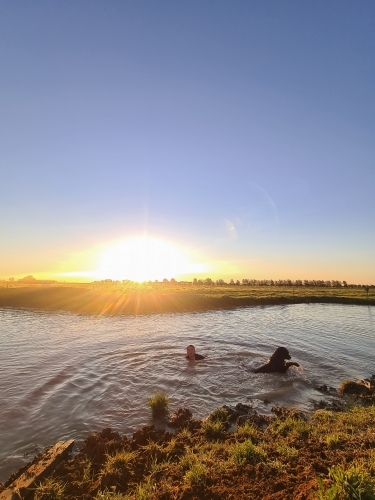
64 375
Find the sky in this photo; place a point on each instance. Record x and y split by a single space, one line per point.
151 140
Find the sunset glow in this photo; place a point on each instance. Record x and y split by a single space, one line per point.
144 258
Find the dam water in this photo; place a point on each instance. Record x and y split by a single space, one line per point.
64 375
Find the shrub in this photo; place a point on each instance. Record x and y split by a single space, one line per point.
158 404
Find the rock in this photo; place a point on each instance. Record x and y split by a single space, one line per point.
180 418
255 418
354 388
284 413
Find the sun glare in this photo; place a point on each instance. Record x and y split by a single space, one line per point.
143 259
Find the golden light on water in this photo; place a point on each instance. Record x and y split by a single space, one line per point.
145 258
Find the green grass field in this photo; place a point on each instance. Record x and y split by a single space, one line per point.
133 298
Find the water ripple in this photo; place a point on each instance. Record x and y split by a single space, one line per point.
64 375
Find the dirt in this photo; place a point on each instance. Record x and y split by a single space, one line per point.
158 458
296 480
251 481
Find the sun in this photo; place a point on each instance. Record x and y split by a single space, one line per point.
144 259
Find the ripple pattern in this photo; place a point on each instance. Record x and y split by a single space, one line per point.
64 375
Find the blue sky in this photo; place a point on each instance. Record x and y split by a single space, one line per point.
243 131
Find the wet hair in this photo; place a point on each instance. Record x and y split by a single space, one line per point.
190 345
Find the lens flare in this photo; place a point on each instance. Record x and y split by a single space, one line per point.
143 259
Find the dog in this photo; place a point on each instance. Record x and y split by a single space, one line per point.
277 362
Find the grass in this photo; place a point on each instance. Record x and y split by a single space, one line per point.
335 440
219 415
247 453
135 298
158 405
50 489
247 431
291 427
354 483
286 451
143 490
329 457
196 475
110 495
118 465
213 430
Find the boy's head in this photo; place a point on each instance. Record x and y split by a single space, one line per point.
190 351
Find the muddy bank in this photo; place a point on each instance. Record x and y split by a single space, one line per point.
234 453
93 301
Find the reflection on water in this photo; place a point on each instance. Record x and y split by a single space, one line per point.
64 375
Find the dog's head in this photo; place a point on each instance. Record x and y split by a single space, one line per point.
281 353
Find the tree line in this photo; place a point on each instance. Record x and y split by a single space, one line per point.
287 282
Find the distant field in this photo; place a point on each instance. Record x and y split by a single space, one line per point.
158 298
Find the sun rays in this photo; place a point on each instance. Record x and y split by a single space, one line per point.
145 259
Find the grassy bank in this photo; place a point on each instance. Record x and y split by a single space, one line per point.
148 299
328 456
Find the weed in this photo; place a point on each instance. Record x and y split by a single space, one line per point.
87 475
158 404
144 490
154 450
196 475
110 495
335 440
247 431
50 489
219 415
276 465
286 451
118 464
247 453
354 483
185 434
323 416
293 427
188 460
213 430
157 468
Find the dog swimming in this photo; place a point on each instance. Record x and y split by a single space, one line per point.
277 362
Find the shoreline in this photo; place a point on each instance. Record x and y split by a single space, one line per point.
289 455
84 300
